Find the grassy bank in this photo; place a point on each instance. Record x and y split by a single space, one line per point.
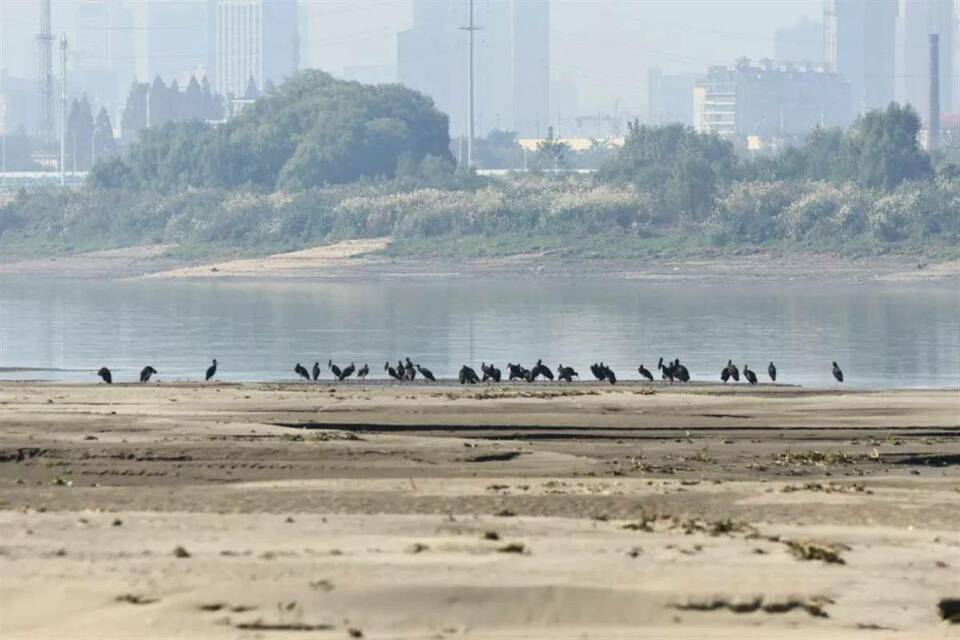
572 217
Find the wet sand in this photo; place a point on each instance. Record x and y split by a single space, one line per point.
302 510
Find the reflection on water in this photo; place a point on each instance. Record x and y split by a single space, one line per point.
881 336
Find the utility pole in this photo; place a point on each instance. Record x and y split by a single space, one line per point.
470 29
63 108
47 129
3 92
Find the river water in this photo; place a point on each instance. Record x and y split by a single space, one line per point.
882 336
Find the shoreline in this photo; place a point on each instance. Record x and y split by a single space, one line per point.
359 259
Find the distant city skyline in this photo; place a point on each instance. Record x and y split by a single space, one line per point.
610 60
603 46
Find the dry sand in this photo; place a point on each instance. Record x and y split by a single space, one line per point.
302 510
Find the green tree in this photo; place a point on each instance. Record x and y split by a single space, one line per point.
681 167
79 135
883 147
135 111
313 130
104 144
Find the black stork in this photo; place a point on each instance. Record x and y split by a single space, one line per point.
772 372
645 373
749 375
364 372
734 372
105 375
146 373
211 371
334 369
391 371
346 373
837 373
426 373
301 371
468 375
316 371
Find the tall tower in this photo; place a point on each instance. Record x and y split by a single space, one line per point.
933 99
45 73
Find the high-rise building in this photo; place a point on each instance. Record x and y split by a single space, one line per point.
916 21
769 101
668 97
172 38
858 41
511 62
103 45
255 39
802 42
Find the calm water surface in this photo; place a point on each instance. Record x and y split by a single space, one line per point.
882 336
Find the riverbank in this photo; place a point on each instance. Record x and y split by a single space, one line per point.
440 511
369 258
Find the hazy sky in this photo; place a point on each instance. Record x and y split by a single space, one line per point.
604 46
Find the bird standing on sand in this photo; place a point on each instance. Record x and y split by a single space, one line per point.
608 374
105 375
772 372
334 369
542 370
734 372
146 373
645 373
468 375
681 371
516 371
316 371
749 375
426 373
364 372
211 370
667 371
837 373
391 371
301 371
566 374
346 373
725 374
597 371
490 372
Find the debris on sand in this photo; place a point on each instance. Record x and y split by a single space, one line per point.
491 535
353 632
813 606
950 609
505 513
260 625
830 487
813 458
321 585
814 551
645 523
513 547
134 598
180 552
724 527
417 547
634 552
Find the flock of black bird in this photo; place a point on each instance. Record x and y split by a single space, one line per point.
407 371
